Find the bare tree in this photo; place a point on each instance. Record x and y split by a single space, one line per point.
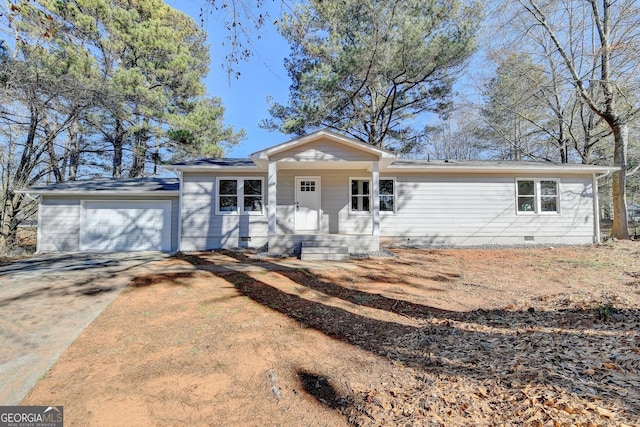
38 109
594 46
455 137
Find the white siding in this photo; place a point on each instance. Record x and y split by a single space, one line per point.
334 216
59 221
475 210
202 229
59 225
430 210
324 150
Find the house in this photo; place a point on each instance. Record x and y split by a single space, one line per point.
325 187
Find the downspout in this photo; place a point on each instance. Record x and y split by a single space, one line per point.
596 207
180 186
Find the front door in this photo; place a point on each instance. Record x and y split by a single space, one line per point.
307 201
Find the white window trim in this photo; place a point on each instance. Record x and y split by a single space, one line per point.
240 190
395 195
537 196
370 211
360 213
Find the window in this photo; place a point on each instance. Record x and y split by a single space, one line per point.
361 195
252 195
228 195
240 195
307 186
549 196
537 196
387 195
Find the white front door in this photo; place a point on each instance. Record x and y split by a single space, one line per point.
307 202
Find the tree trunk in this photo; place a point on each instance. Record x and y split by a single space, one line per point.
118 145
74 151
140 148
620 227
51 149
9 226
139 155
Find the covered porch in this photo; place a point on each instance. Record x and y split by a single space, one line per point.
325 194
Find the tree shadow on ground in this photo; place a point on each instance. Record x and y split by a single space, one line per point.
575 349
66 275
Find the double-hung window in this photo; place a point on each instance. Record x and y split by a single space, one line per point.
387 195
360 195
537 196
240 196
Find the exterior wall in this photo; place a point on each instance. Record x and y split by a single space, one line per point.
203 229
335 217
481 209
431 210
59 221
58 225
324 150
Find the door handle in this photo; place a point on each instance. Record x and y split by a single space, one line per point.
297 205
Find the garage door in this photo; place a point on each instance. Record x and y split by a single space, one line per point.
111 226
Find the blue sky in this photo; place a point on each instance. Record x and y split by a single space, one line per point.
263 75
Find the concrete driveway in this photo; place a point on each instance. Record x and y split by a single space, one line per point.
47 300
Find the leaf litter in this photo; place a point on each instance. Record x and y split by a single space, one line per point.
472 337
551 361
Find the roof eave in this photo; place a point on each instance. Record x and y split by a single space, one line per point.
580 170
217 168
99 192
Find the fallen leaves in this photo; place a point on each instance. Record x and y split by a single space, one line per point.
550 361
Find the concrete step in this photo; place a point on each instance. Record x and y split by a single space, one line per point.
323 251
323 257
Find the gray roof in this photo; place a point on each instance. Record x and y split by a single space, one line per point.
496 165
477 163
110 185
423 164
218 162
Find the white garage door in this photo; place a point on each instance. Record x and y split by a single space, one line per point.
111 226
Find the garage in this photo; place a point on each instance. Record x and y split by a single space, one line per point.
114 226
108 215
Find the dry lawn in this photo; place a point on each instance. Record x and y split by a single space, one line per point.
431 337
25 247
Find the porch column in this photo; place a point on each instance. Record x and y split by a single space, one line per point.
272 181
375 190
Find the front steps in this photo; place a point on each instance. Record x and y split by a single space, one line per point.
343 244
322 251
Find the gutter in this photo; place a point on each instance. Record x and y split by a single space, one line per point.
216 168
100 193
178 173
451 169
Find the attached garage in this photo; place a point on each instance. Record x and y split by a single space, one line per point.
108 215
116 225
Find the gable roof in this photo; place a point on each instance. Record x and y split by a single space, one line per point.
108 186
388 160
261 157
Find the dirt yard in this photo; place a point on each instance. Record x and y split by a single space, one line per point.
538 337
